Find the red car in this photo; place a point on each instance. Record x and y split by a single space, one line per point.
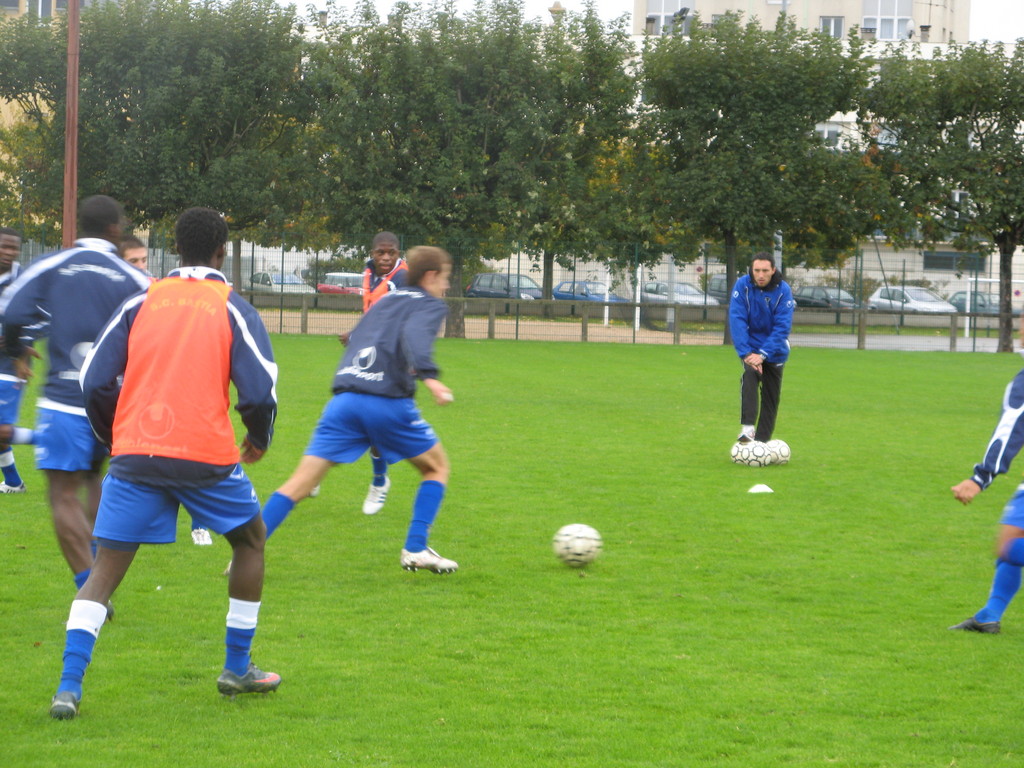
341 282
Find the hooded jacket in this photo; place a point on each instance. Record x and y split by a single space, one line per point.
760 318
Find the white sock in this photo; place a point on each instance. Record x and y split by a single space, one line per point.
87 615
242 614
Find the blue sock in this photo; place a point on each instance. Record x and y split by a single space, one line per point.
1005 583
80 578
10 471
276 510
424 510
238 643
77 655
380 469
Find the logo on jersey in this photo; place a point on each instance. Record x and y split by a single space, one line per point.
157 421
364 359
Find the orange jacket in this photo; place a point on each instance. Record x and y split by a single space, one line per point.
371 295
182 326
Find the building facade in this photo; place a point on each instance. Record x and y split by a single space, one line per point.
935 21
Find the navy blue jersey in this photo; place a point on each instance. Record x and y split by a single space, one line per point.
393 345
1007 438
74 292
28 334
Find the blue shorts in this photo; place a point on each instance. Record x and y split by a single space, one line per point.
66 442
1013 512
136 513
10 399
351 422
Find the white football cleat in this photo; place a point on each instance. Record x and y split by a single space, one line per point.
201 537
315 492
5 488
429 560
376 497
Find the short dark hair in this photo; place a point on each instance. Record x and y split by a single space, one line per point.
198 234
762 256
423 259
130 242
97 214
10 231
384 237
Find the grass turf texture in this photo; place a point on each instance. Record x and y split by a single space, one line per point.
801 628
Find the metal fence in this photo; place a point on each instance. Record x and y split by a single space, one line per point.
637 313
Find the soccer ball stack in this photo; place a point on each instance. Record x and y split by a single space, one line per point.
577 544
757 454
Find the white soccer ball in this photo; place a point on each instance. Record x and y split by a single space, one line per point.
753 454
779 451
577 544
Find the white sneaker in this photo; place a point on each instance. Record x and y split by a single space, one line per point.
5 488
747 434
315 492
376 497
429 560
201 537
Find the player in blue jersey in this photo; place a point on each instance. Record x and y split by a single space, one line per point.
1004 445
390 348
156 390
760 318
74 292
13 375
385 271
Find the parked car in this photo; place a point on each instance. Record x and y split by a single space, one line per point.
824 296
584 290
682 293
908 298
341 282
982 303
718 288
491 285
278 282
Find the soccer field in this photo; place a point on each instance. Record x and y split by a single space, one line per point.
806 627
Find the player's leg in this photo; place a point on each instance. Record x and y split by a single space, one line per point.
71 522
771 392
10 405
86 618
307 475
750 383
231 509
379 485
434 470
1007 577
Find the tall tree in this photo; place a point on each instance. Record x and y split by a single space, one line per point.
949 125
729 121
181 104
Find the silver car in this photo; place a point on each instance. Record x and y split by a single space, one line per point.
908 298
682 293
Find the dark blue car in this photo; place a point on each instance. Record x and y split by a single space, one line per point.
583 290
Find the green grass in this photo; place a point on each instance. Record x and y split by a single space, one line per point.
801 628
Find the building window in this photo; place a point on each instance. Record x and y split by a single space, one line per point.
829 135
832 26
954 261
661 15
9 5
889 18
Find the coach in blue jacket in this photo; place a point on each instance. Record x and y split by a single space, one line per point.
760 317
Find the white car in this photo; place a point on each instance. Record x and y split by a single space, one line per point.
279 282
908 298
682 293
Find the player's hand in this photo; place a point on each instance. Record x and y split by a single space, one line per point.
754 360
343 338
250 454
23 364
442 395
965 491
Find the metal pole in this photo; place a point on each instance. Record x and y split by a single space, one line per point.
71 127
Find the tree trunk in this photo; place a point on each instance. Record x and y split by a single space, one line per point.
236 265
1007 246
455 327
548 283
729 239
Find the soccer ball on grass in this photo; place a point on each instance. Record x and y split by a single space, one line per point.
577 544
779 451
753 454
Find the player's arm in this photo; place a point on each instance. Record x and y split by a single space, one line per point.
104 368
254 374
782 322
1004 445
